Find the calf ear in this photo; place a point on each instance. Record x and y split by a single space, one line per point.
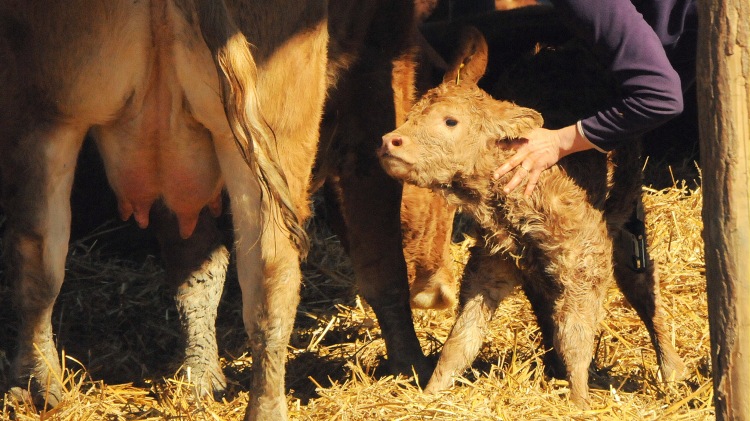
510 121
471 58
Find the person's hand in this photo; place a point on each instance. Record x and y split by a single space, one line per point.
538 150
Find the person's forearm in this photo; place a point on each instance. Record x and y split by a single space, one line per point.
649 85
573 140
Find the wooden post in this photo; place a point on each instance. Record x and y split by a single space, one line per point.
723 83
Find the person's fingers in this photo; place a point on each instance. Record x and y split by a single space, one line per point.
511 163
518 177
531 183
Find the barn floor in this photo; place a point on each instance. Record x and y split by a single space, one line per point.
118 328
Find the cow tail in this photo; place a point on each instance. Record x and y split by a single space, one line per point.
626 183
237 77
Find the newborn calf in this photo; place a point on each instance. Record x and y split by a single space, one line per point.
557 243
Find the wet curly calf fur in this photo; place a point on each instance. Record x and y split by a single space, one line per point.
562 243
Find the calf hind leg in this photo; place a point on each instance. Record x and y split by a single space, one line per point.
576 317
38 176
197 267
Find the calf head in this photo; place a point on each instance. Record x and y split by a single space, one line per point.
455 129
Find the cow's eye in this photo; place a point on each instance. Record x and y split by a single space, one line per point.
451 122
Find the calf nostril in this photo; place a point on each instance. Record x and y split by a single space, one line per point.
396 142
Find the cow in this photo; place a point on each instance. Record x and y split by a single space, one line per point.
562 244
161 182
181 107
373 67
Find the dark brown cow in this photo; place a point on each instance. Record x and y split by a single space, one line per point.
171 93
373 63
562 244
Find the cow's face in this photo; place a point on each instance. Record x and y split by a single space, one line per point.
448 132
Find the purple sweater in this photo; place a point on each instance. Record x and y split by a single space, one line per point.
649 45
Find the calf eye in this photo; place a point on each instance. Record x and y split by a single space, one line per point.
451 122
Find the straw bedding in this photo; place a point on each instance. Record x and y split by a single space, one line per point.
119 331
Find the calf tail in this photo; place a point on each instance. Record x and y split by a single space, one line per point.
237 77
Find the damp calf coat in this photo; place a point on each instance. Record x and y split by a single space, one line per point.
563 244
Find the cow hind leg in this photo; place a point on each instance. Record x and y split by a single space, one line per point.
36 189
641 289
269 273
197 267
269 276
371 212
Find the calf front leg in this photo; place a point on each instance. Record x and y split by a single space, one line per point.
197 267
488 281
38 176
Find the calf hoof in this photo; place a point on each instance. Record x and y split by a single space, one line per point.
437 385
580 401
266 409
438 292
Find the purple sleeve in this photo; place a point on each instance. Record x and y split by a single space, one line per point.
650 88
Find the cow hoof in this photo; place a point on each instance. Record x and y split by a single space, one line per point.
672 371
42 400
423 368
208 381
554 366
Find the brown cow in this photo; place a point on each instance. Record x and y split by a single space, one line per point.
373 65
557 243
170 92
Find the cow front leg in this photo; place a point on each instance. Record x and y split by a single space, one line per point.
488 280
197 267
37 180
371 212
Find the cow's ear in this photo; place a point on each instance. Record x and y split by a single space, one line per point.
470 61
510 121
